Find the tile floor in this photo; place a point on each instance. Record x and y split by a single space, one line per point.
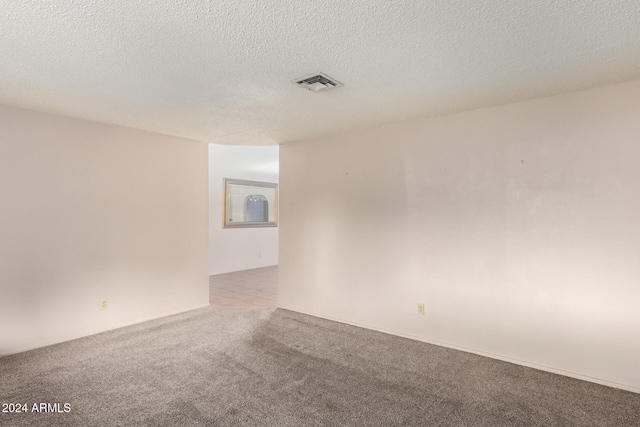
249 288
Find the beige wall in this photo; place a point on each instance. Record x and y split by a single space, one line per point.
92 211
517 226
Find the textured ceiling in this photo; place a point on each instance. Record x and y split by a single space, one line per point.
220 71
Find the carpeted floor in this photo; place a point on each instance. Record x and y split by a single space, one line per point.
236 366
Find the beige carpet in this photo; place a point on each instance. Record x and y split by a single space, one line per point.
235 366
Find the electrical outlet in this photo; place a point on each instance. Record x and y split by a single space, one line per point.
259 254
421 309
104 304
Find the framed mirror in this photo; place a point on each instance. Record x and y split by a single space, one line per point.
249 204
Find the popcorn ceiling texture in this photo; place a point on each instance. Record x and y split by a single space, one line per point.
220 71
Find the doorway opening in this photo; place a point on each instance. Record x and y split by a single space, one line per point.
243 262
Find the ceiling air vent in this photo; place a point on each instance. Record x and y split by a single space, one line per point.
317 82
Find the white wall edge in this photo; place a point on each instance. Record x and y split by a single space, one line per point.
470 350
124 325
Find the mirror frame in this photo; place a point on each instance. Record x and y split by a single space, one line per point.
227 197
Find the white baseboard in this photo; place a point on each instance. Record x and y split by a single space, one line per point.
99 331
478 352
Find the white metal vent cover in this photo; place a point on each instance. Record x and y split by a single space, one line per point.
317 82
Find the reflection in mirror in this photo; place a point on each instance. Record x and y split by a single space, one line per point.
256 208
250 204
